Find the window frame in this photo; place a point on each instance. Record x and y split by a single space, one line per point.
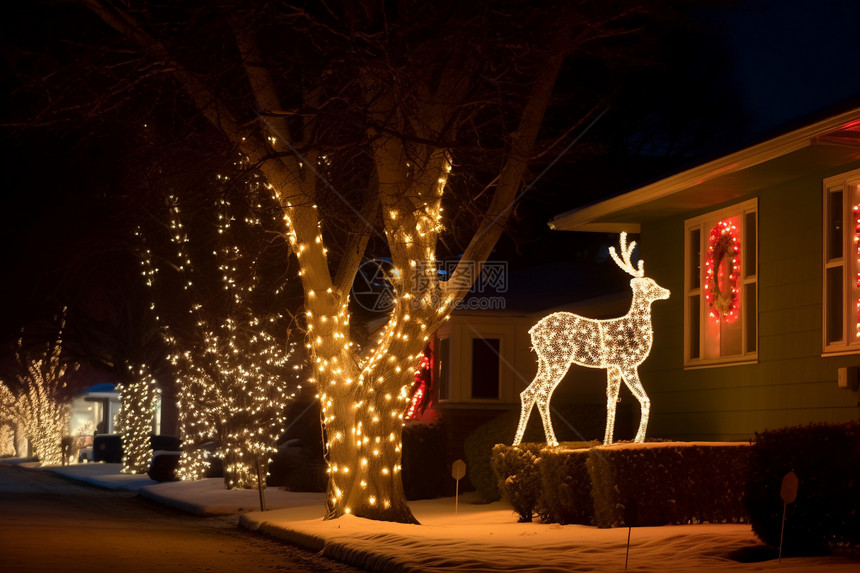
442 368
695 320
848 184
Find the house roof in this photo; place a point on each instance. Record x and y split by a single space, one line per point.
828 143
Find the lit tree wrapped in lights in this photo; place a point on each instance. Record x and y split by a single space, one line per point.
365 110
234 369
9 421
36 401
139 399
7 440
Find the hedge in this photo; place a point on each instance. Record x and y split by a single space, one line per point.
826 513
668 483
625 484
566 486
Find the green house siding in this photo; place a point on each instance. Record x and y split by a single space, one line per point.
791 383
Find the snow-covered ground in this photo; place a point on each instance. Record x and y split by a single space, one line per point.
476 538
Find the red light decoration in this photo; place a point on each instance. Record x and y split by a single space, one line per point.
857 253
422 376
723 246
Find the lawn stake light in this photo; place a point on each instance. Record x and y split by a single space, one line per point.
618 345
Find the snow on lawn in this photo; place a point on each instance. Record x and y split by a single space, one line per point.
101 474
488 538
477 538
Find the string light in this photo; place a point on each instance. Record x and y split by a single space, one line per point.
856 210
723 246
422 376
618 345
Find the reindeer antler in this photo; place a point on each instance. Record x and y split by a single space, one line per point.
626 252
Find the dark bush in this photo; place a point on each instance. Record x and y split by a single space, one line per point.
537 479
668 483
479 447
163 466
566 485
298 466
424 471
299 463
107 448
826 459
518 476
625 484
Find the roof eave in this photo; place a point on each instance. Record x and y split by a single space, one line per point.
592 217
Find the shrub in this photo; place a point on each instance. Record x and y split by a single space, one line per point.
518 476
826 459
531 477
424 470
479 446
566 485
667 483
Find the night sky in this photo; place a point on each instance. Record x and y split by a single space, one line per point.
766 65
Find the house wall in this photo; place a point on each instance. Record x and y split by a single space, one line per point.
791 384
517 365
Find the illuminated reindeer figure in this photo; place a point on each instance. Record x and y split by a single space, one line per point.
619 345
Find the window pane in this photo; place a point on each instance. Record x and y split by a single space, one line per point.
694 264
443 360
749 315
485 368
834 226
695 317
834 304
731 337
749 246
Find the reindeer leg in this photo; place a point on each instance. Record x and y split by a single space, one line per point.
632 380
527 400
613 385
543 408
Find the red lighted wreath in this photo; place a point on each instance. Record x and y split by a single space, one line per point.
723 245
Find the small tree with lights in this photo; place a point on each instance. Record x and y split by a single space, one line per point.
234 370
36 400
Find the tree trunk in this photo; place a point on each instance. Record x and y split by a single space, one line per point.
364 446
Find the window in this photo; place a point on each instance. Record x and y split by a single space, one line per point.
485 368
721 286
841 329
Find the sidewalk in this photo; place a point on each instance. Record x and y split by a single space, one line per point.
476 538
